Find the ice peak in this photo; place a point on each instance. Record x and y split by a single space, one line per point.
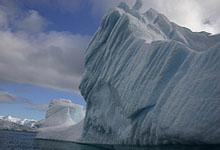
138 4
152 11
151 14
124 6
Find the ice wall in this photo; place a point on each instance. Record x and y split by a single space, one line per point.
151 81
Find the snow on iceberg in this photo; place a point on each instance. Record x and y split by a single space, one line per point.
150 81
63 121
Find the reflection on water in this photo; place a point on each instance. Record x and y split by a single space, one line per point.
25 141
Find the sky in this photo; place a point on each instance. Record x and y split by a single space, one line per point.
42 45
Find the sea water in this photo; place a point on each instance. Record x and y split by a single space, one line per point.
12 140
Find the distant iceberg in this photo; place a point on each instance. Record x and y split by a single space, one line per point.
63 121
150 81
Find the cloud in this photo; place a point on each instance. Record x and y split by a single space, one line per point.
211 10
28 104
53 59
3 20
28 54
39 107
188 13
9 98
32 22
193 14
6 97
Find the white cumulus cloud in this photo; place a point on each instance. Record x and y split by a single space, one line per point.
28 54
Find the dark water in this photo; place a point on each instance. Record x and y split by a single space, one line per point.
10 140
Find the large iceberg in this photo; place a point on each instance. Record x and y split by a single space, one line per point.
150 81
63 121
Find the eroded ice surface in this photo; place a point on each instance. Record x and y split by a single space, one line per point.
63 121
150 81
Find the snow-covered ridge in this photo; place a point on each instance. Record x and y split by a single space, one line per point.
14 123
150 81
28 122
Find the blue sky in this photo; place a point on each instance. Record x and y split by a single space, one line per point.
78 20
42 45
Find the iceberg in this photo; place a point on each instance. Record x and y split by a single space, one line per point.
149 81
63 121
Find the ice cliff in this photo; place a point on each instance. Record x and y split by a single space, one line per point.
63 121
150 81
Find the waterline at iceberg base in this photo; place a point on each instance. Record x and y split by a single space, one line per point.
149 81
